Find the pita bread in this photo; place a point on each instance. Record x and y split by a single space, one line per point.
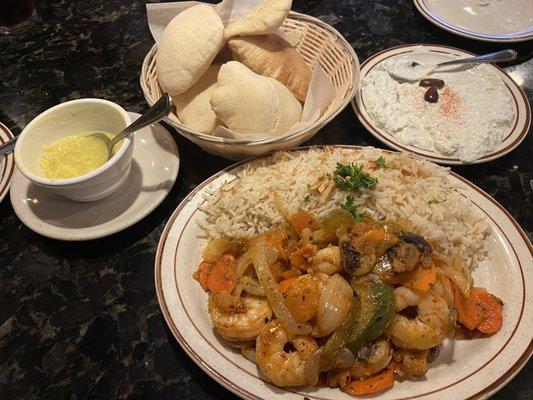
193 107
188 46
271 55
250 103
264 18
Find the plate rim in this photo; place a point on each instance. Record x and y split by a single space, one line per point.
9 165
440 22
493 387
382 136
81 237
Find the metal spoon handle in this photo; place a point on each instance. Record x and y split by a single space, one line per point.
156 113
499 56
8 146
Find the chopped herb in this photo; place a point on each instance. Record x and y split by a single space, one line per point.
328 176
352 178
349 206
380 162
307 199
435 201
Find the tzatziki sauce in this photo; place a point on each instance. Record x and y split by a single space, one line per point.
473 112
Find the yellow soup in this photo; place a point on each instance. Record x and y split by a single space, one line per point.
73 156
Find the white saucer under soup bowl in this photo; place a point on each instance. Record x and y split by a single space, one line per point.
154 168
70 118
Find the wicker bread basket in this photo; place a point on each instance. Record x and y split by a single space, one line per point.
319 42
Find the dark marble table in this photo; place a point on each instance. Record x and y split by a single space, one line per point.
81 320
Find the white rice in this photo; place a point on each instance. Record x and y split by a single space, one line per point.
245 207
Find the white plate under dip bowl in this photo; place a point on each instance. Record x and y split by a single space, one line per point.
487 20
154 168
462 105
7 164
80 116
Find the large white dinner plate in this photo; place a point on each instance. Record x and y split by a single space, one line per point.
511 139
464 370
7 163
488 20
154 168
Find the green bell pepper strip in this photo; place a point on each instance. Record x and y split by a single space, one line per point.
371 312
375 314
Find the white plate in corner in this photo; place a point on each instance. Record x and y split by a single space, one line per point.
465 370
7 163
154 169
487 20
511 140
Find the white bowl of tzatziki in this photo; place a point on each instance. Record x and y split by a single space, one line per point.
452 115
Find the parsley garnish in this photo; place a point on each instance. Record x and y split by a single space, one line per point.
328 176
352 178
435 201
380 162
307 199
349 206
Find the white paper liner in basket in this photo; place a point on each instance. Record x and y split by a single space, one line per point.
321 90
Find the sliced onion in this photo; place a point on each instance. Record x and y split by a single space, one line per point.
335 301
312 367
277 202
248 285
242 264
454 271
216 247
462 282
263 255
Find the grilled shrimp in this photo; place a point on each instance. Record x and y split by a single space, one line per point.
428 329
238 319
404 297
327 260
281 367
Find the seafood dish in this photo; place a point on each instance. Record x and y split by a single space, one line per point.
351 271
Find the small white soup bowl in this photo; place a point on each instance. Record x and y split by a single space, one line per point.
71 118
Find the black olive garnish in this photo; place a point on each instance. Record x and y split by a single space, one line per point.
430 82
431 95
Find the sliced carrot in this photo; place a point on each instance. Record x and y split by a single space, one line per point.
491 308
202 273
423 279
301 220
480 310
467 313
375 384
222 275
284 285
